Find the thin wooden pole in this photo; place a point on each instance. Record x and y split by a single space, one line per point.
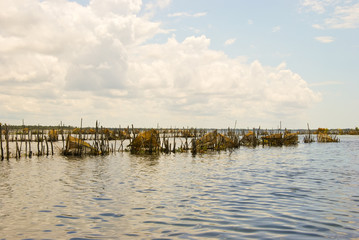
38 141
52 148
42 143
30 140
2 150
7 142
17 148
47 147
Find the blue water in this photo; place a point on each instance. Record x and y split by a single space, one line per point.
310 191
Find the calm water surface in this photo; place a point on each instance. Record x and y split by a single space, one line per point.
310 191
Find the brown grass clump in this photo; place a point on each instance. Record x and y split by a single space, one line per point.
325 138
290 138
273 139
214 141
278 139
76 146
250 139
53 135
147 141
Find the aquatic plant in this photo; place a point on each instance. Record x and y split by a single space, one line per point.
78 147
249 139
214 141
146 141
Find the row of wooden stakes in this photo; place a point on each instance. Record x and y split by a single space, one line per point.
103 141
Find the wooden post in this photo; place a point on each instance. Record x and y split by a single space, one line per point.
25 146
17 148
174 143
95 142
47 147
38 141
254 138
7 142
21 139
102 142
30 140
42 143
194 147
79 147
52 148
63 138
2 150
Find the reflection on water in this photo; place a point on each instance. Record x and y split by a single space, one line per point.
307 191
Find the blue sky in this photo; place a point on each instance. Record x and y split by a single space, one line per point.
180 63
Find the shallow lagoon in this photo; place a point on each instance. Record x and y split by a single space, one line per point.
310 191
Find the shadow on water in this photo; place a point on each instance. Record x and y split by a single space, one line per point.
145 159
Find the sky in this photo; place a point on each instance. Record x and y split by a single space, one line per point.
180 63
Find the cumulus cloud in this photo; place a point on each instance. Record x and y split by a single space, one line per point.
317 26
152 6
344 17
276 29
230 41
63 61
341 14
318 6
326 83
186 14
325 39
188 77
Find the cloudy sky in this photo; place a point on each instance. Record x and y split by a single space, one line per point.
179 63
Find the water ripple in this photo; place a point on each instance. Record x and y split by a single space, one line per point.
307 192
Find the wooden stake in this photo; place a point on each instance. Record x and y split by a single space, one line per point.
2 151
7 142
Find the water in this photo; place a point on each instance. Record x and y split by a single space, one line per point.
310 191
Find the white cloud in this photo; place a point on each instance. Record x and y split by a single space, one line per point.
344 17
117 7
179 14
327 83
190 78
67 61
200 14
229 41
324 39
318 6
154 5
276 29
163 3
186 14
317 26
341 14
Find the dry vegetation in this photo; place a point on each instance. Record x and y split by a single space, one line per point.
21 141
